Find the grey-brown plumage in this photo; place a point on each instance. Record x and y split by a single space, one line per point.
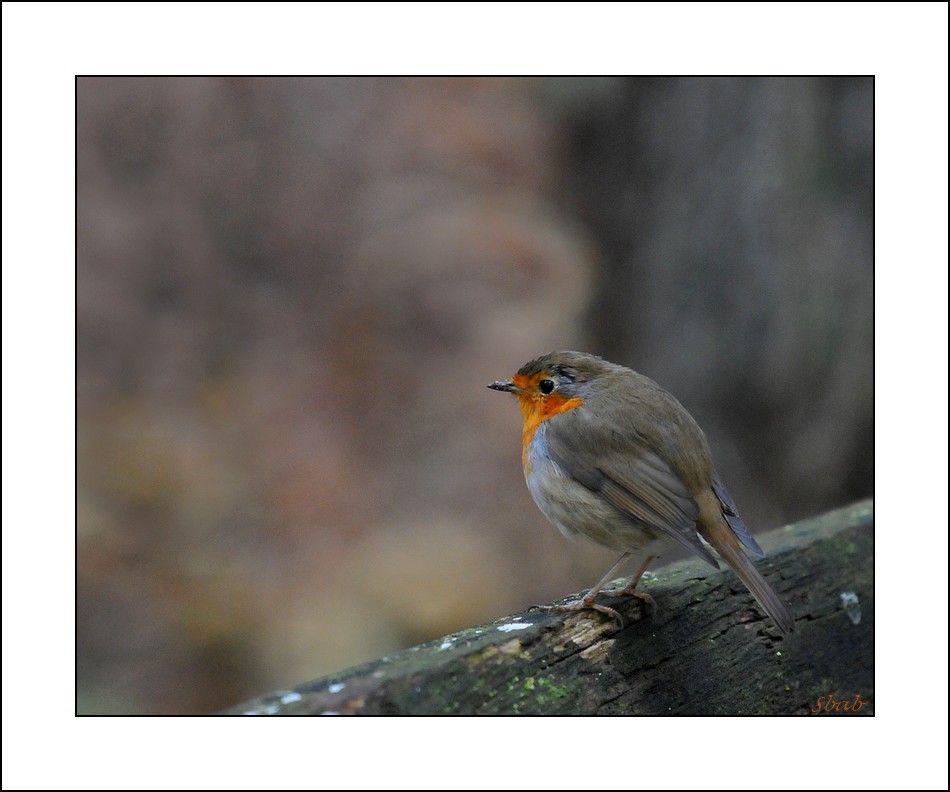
610 455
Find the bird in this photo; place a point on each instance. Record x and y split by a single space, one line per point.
610 455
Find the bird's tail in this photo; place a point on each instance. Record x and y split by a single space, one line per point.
721 537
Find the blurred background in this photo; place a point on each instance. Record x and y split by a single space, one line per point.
292 293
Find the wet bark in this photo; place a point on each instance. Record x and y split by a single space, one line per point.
708 650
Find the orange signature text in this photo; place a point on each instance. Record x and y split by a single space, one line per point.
830 704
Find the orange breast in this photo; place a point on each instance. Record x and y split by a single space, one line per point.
536 408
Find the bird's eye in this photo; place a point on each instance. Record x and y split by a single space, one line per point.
546 386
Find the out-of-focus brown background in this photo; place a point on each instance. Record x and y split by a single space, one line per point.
292 293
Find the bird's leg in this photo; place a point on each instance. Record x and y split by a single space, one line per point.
588 603
630 589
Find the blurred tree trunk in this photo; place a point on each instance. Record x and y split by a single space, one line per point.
734 220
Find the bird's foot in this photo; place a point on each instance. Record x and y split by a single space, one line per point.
630 591
581 605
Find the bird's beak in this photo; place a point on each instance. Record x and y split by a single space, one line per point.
507 385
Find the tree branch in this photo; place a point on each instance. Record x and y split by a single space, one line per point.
707 651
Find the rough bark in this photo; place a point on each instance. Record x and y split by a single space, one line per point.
708 650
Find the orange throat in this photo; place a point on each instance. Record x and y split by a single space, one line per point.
536 408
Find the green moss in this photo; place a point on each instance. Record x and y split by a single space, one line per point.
554 691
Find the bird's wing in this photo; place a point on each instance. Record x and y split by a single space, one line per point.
633 479
738 527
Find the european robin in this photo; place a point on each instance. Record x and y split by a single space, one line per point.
609 455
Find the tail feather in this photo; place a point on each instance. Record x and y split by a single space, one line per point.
721 537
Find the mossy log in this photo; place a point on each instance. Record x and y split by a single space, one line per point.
708 650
